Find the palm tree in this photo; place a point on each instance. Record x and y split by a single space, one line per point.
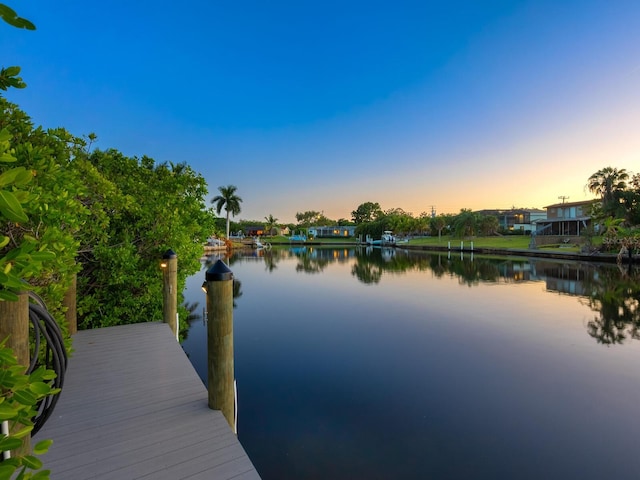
271 222
466 223
609 183
439 223
227 200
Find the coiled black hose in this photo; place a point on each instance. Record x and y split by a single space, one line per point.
53 355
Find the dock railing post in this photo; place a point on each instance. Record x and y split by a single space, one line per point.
69 301
14 326
170 290
220 369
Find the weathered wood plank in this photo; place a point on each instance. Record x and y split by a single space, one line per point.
133 407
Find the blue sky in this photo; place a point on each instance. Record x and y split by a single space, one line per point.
325 105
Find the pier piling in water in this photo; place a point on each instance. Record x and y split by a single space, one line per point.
220 363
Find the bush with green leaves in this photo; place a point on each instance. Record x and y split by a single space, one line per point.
18 403
19 392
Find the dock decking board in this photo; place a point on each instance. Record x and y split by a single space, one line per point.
133 407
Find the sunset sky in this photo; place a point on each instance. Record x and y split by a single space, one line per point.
325 105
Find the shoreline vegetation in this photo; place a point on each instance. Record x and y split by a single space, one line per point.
512 245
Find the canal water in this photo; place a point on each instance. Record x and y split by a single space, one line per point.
386 364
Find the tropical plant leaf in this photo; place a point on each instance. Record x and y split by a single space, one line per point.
7 412
32 462
10 207
12 18
42 447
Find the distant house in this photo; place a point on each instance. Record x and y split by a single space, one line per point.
517 219
259 230
334 231
566 219
254 230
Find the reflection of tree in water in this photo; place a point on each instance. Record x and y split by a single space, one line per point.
192 314
195 314
438 265
615 299
270 261
237 291
472 273
614 295
309 264
468 272
367 272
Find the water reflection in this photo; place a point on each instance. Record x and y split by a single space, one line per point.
368 363
615 299
612 292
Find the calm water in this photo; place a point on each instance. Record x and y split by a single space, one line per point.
388 365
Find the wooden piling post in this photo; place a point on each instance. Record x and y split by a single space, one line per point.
69 301
220 370
170 290
14 325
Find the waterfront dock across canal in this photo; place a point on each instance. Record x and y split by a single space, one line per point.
133 407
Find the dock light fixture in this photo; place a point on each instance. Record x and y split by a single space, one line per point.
168 255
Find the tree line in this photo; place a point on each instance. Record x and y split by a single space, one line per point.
99 214
616 216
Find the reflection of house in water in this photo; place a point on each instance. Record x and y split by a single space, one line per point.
519 271
572 279
561 277
331 253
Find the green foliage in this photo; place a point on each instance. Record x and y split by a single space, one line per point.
11 17
22 258
141 209
312 218
367 212
21 255
618 214
43 234
18 405
440 223
609 183
228 200
9 78
465 224
270 224
106 217
488 225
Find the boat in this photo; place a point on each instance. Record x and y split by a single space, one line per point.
257 244
215 244
300 237
387 239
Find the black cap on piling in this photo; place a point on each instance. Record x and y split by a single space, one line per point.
218 272
169 254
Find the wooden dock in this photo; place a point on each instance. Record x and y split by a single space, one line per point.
133 407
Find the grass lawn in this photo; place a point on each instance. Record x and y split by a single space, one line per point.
512 241
497 242
504 242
